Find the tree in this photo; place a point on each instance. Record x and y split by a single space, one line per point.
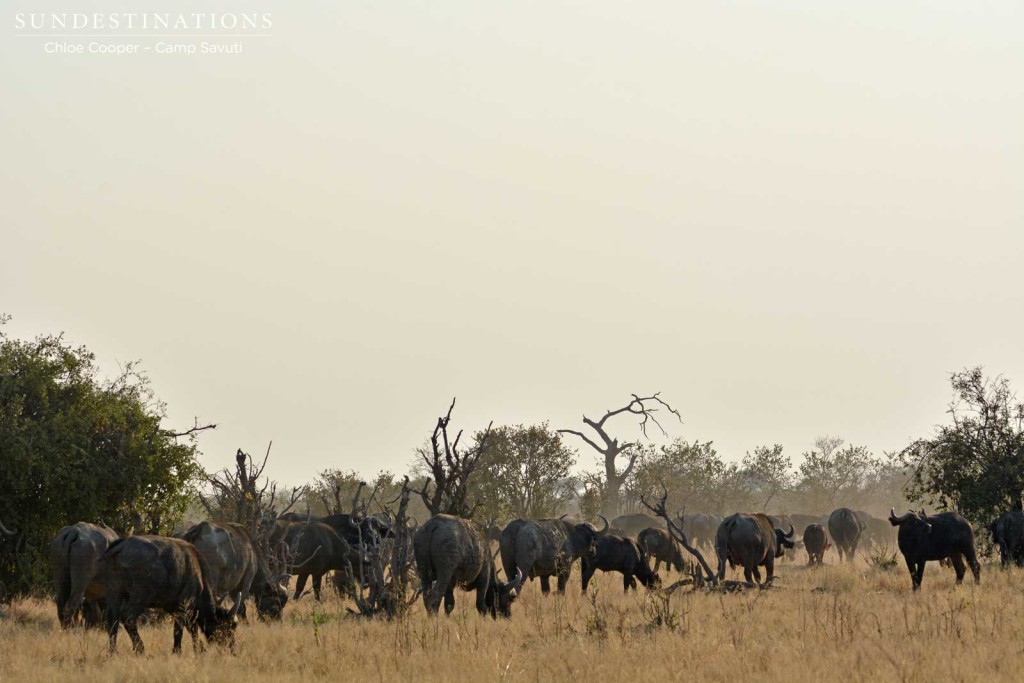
768 473
691 473
610 449
976 464
451 470
525 472
832 476
77 447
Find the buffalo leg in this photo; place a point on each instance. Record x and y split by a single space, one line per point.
300 584
657 563
851 551
432 600
957 560
749 576
563 579
587 572
545 584
113 624
449 600
627 583
318 580
132 627
179 629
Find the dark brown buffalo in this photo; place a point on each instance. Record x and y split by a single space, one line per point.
816 543
660 546
751 541
619 554
922 538
1008 535
311 549
235 568
78 587
450 552
633 524
846 529
169 574
546 548
357 530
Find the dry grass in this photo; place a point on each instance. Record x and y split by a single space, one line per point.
845 623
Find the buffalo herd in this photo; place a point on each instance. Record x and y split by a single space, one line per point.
203 577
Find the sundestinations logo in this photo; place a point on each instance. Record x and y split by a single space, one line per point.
129 33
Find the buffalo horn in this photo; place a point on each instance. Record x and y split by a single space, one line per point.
6 530
517 582
792 531
602 532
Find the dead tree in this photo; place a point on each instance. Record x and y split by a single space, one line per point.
643 407
389 567
679 536
450 470
240 496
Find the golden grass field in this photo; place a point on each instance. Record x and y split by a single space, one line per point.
848 623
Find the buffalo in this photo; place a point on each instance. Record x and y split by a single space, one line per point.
546 548
235 568
700 529
877 532
1008 535
78 587
450 551
924 537
751 541
364 530
312 549
662 547
846 528
633 524
816 543
619 554
156 572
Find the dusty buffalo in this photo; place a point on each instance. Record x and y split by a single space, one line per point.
235 568
659 545
700 529
75 554
312 549
449 551
877 532
924 537
546 548
816 543
845 528
633 524
156 572
1008 535
618 554
751 541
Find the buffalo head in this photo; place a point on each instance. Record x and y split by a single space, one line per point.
507 593
271 598
912 520
784 540
219 627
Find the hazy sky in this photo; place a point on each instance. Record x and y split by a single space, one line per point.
792 218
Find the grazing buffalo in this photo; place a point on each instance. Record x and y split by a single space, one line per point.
546 548
75 554
449 551
700 529
618 554
156 572
816 543
662 547
312 548
355 529
235 568
845 528
751 541
1008 535
924 537
633 524
877 532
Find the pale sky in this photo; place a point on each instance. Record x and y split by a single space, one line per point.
792 218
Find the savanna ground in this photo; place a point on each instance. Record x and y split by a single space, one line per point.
850 623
